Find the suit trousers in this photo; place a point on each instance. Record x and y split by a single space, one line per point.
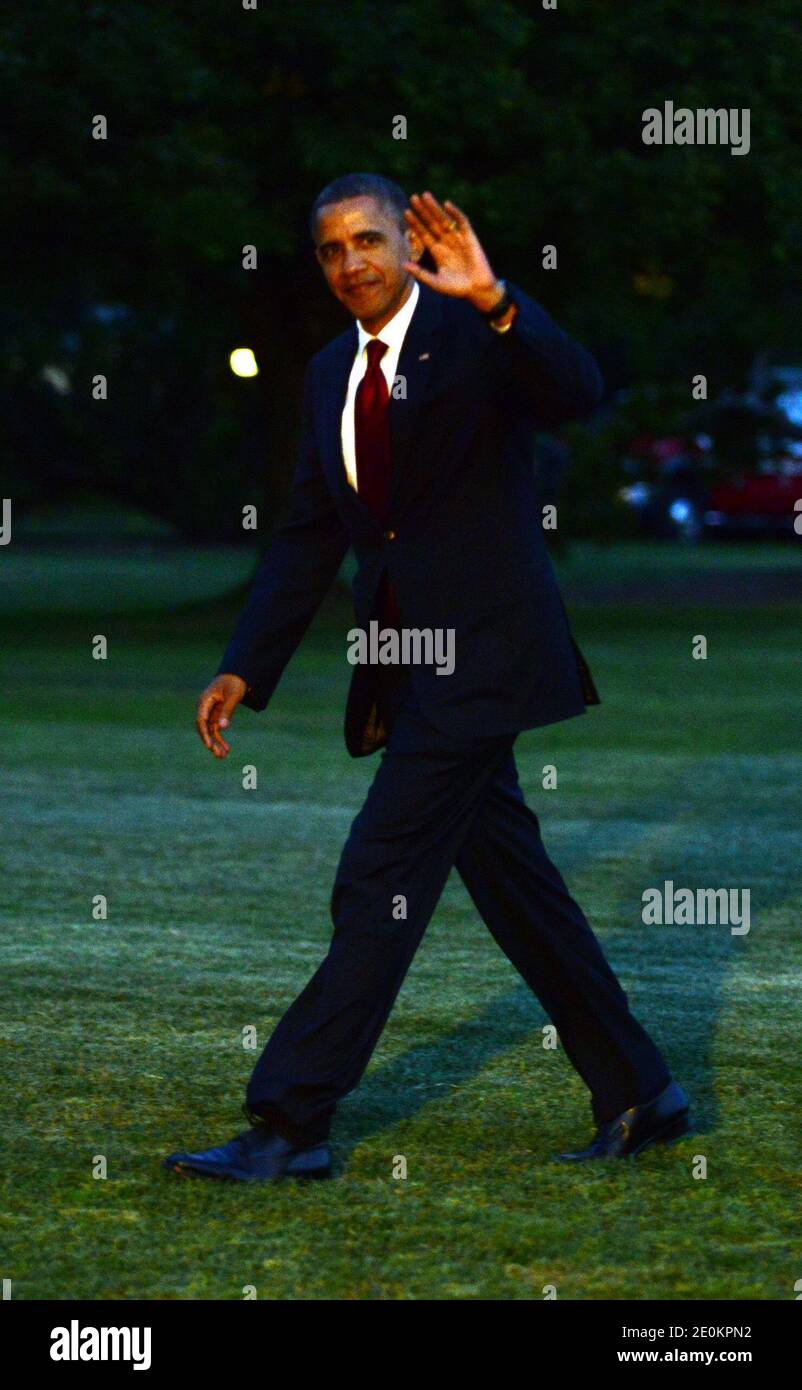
436 803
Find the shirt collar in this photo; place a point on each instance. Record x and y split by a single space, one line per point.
393 332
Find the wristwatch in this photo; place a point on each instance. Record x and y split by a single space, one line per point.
503 305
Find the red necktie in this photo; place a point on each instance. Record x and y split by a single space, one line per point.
372 442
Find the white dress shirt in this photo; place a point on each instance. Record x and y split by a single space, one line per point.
393 335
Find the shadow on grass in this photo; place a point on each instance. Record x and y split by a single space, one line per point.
407 1085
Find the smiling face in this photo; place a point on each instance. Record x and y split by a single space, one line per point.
361 250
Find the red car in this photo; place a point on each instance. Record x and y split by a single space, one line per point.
742 474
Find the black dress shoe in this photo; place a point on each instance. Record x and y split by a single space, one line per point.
256 1155
657 1122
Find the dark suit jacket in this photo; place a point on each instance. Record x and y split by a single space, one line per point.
463 539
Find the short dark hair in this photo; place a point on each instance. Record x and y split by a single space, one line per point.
389 194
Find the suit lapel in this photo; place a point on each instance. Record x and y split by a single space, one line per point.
416 362
333 388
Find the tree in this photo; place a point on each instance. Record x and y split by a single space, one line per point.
223 123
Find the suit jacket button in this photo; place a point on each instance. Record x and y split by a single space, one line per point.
389 535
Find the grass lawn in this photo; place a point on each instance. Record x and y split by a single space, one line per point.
123 1037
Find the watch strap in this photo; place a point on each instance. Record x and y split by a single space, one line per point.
503 305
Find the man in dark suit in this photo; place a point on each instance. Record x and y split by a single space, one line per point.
416 450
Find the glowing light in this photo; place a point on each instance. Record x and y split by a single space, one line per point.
57 378
243 363
636 495
680 511
790 402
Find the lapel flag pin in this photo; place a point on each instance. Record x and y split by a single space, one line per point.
424 357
